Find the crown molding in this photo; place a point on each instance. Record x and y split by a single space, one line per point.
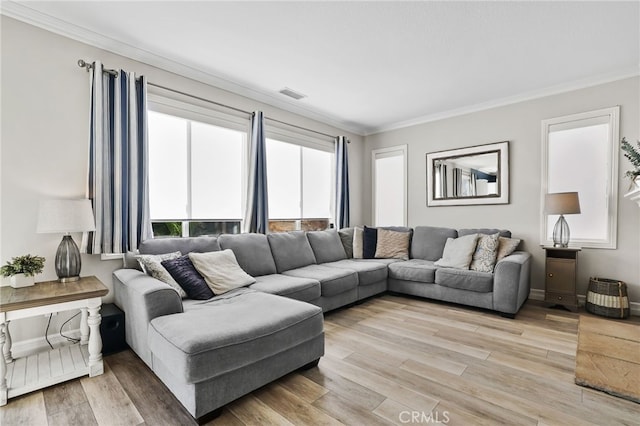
536 94
24 13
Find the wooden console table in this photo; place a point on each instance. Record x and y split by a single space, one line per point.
23 375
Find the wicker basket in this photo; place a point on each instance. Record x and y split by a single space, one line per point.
607 298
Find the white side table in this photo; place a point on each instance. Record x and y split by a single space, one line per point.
36 371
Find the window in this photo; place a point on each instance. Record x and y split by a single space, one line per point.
196 172
299 180
580 153
389 171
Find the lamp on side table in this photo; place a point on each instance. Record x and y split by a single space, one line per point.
562 203
66 216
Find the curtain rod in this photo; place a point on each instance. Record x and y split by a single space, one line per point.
83 64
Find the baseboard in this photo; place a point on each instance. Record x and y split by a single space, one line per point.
39 344
537 294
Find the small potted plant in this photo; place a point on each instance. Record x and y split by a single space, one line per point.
22 269
633 155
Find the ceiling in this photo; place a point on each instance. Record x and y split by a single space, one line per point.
365 66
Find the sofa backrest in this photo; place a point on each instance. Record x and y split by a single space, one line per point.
326 245
252 252
428 242
183 245
486 231
291 250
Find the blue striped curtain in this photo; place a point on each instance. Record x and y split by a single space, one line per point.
257 212
118 178
342 183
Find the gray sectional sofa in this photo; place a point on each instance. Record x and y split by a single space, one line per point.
210 352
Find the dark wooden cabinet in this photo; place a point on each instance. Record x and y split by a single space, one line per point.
561 270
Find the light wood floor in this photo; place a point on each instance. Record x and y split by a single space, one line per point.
390 360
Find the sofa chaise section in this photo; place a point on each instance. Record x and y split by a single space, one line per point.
225 347
209 353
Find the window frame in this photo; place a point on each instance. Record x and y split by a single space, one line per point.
613 114
192 111
383 152
304 140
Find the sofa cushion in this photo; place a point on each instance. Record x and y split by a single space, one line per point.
231 331
220 270
183 245
332 280
290 250
252 252
346 236
428 242
418 270
486 231
458 252
186 275
304 289
481 282
368 272
484 257
326 245
392 244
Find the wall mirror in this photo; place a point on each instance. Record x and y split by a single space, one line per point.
469 176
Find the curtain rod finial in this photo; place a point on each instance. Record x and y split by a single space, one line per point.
83 64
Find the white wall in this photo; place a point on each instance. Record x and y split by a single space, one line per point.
45 124
521 125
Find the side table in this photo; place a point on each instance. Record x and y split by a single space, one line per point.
561 267
36 371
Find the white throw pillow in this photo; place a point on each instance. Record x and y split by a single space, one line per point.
458 252
358 245
220 270
151 264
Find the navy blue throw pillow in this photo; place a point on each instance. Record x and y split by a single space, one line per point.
369 242
185 274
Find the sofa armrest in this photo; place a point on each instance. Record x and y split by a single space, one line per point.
142 298
511 282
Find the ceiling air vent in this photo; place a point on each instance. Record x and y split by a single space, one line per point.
292 94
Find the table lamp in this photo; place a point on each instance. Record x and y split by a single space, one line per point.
562 203
66 216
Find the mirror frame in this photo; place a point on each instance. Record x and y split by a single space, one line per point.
502 149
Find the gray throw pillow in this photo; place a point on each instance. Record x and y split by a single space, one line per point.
458 252
346 236
130 260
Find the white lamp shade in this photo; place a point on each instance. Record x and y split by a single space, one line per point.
62 216
562 203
